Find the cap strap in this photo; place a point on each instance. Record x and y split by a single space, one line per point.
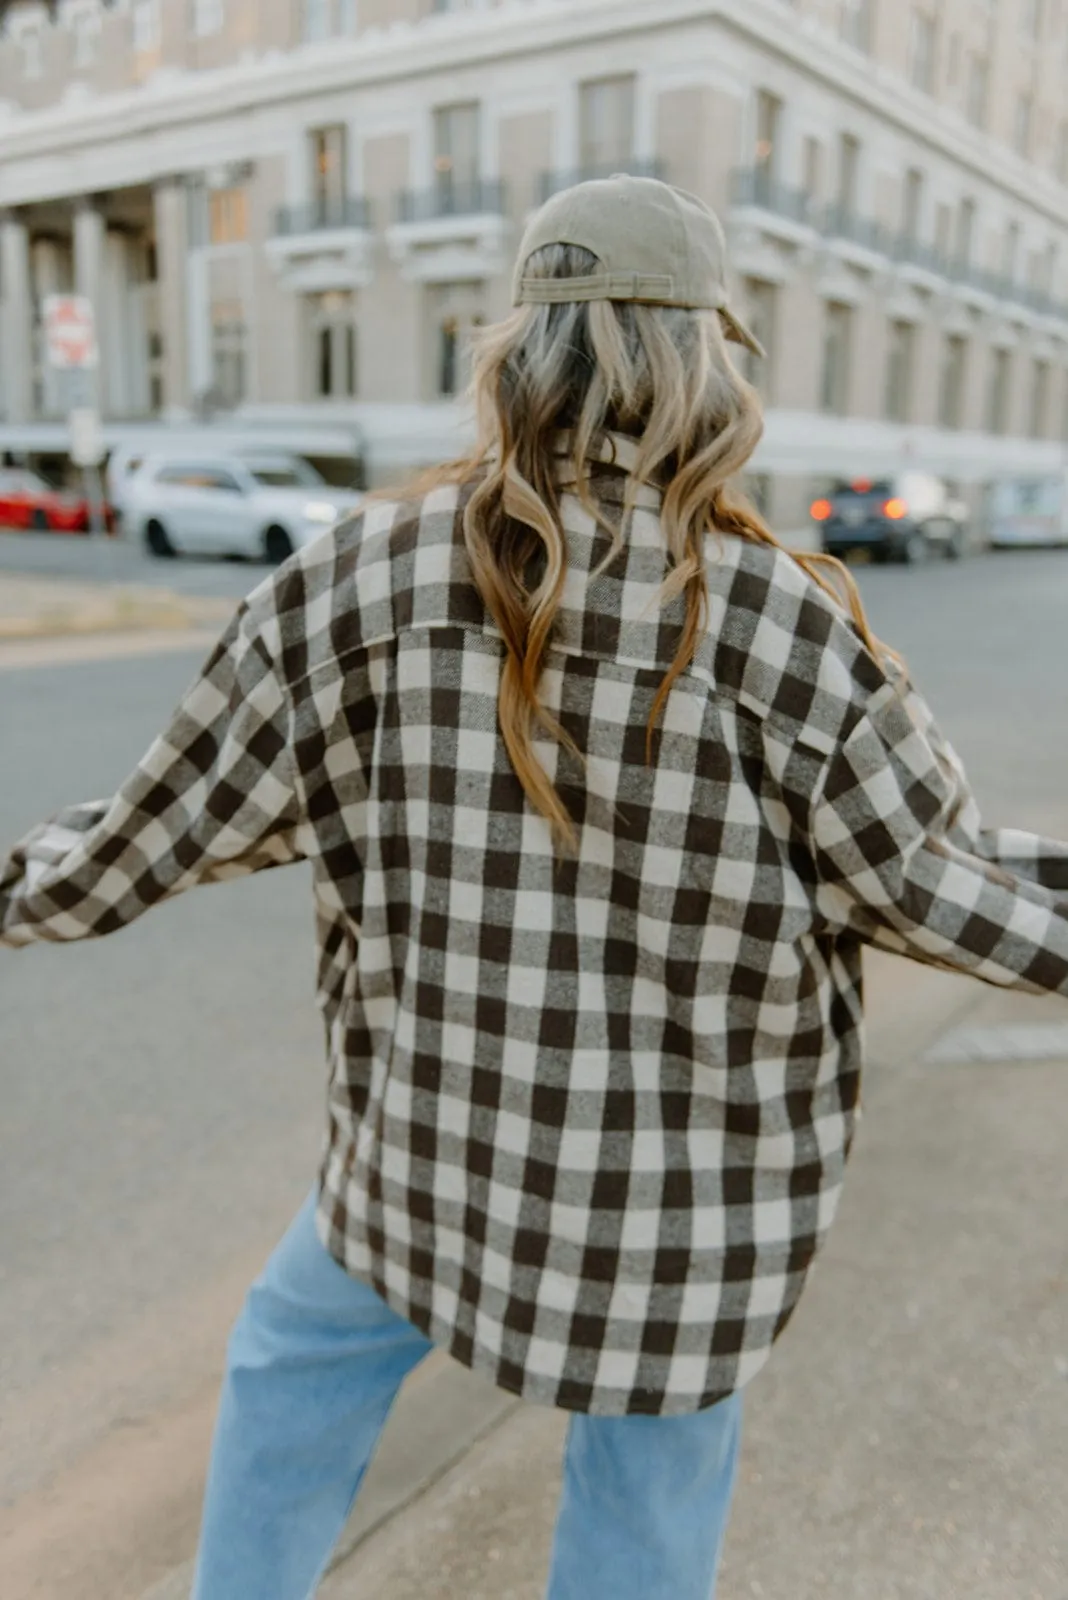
597 286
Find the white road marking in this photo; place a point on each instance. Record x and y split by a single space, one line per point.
1012 1042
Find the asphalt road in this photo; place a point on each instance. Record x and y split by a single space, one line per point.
161 1091
115 561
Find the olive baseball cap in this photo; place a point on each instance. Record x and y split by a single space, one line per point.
656 244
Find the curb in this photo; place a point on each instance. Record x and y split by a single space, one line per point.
106 610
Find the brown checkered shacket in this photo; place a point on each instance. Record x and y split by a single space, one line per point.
588 1117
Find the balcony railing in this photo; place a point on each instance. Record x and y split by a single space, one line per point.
318 216
756 187
840 222
551 183
473 198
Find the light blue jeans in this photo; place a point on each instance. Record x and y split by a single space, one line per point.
314 1365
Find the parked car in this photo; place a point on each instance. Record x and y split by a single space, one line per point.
337 453
29 501
260 506
909 517
1028 511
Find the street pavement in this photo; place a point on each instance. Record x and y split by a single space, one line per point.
118 561
162 1096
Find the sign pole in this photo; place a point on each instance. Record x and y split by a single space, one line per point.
70 330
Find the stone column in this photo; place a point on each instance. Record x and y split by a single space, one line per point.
89 264
48 279
172 249
16 320
118 307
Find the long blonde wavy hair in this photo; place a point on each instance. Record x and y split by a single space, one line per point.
659 374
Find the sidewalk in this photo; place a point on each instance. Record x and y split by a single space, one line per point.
909 1437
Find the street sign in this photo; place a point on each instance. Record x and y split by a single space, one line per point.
70 332
86 438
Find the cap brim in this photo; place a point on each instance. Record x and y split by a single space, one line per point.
738 333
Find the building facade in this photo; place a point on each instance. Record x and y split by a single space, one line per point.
282 205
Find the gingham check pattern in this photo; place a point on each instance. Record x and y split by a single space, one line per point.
588 1117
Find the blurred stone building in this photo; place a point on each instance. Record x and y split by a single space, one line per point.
306 206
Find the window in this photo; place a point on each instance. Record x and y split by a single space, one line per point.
228 216
1037 420
1033 18
900 362
965 232
912 205
448 356
837 358
953 61
1061 158
943 230
1023 124
978 92
856 23
1010 251
144 15
155 379
922 35
208 17
766 148
951 388
337 362
455 315
762 307
282 472
333 344
196 475
1064 411
1050 263
812 170
317 20
83 19
219 479
328 19
848 173
606 124
28 33
228 352
457 138
329 162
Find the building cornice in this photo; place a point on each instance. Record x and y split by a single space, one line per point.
157 118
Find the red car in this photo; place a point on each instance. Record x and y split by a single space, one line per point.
27 501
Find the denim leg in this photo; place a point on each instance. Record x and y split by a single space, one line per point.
645 1505
314 1364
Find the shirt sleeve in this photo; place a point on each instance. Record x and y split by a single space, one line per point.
903 860
214 798
1025 855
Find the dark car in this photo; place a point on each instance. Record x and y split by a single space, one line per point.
905 518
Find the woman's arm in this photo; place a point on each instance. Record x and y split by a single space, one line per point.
1025 855
215 797
903 861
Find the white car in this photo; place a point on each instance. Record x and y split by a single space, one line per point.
1029 511
253 505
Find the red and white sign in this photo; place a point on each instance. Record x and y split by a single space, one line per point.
70 332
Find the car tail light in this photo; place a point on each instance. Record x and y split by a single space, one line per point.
821 510
862 486
896 510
